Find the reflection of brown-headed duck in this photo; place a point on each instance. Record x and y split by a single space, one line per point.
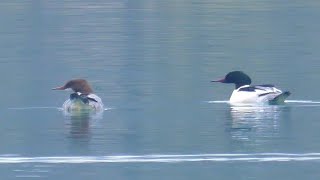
245 93
82 99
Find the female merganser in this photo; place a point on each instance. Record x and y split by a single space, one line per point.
245 93
83 99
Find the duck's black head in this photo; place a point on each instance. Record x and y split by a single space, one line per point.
238 78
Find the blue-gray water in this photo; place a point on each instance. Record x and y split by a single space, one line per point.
151 62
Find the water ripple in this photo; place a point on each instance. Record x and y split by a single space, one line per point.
165 158
295 103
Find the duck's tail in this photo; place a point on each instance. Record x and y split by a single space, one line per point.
278 100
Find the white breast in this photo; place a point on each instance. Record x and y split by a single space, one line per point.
77 105
258 94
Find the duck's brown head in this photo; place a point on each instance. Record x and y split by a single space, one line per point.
77 85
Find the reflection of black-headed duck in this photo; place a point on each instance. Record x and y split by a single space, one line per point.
83 97
245 93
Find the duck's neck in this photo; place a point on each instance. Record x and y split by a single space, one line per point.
240 84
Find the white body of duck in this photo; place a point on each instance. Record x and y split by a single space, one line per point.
260 94
74 105
245 93
83 99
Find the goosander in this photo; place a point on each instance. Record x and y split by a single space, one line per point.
245 93
83 99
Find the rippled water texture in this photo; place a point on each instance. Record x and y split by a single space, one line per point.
151 62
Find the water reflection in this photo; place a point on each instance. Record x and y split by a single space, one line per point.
255 124
79 124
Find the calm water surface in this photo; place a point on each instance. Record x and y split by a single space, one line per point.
151 62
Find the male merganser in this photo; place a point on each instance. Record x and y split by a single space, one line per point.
82 99
245 93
